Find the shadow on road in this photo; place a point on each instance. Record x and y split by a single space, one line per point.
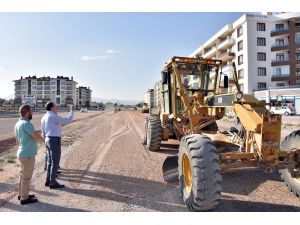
39 207
164 197
128 190
246 181
249 206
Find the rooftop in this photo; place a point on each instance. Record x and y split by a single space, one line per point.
45 78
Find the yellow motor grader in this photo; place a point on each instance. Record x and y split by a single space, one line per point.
194 96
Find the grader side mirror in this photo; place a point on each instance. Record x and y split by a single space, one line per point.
164 76
225 81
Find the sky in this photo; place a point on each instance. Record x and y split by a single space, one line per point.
117 55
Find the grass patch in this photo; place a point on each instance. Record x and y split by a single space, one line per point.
11 159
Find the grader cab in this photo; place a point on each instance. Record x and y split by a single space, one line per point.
194 96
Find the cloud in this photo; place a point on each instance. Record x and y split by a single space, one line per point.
1 68
112 51
109 54
95 58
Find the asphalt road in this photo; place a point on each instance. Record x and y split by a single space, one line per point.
106 168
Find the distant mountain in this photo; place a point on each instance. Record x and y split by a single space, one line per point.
119 101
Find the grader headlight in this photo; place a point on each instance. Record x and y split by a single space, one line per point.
239 96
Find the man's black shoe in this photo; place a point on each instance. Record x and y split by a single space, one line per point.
29 196
28 201
56 185
58 172
47 184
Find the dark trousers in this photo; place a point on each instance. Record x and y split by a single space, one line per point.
53 146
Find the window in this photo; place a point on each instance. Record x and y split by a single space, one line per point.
239 31
297 24
279 42
241 74
279 57
240 60
261 71
261 27
277 71
261 85
279 27
280 84
298 56
297 38
261 41
298 71
261 56
240 45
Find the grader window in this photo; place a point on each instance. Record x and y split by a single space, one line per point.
196 77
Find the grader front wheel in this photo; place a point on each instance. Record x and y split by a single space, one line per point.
291 143
199 173
153 133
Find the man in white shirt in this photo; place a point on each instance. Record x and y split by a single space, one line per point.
51 130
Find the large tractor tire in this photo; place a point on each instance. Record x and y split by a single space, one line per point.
199 173
153 133
291 143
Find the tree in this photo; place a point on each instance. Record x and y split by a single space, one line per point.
140 104
2 100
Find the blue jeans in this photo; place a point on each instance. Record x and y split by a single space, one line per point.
53 146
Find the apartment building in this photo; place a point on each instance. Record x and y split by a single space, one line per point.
149 98
37 91
84 96
264 47
157 95
285 50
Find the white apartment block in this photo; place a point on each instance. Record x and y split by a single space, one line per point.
264 50
157 93
149 98
84 96
40 90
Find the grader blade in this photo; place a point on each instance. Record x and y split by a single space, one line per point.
170 169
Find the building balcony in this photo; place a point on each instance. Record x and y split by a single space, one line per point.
279 47
226 43
227 56
210 53
280 62
278 32
280 77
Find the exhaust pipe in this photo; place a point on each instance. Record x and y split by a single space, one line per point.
170 169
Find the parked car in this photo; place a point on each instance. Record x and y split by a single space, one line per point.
83 110
283 110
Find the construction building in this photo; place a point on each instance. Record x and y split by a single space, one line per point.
149 98
157 95
37 91
265 49
84 96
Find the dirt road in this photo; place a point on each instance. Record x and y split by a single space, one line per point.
106 168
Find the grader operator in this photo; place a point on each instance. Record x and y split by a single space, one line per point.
194 97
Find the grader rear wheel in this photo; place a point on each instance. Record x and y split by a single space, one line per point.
199 173
291 143
153 133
